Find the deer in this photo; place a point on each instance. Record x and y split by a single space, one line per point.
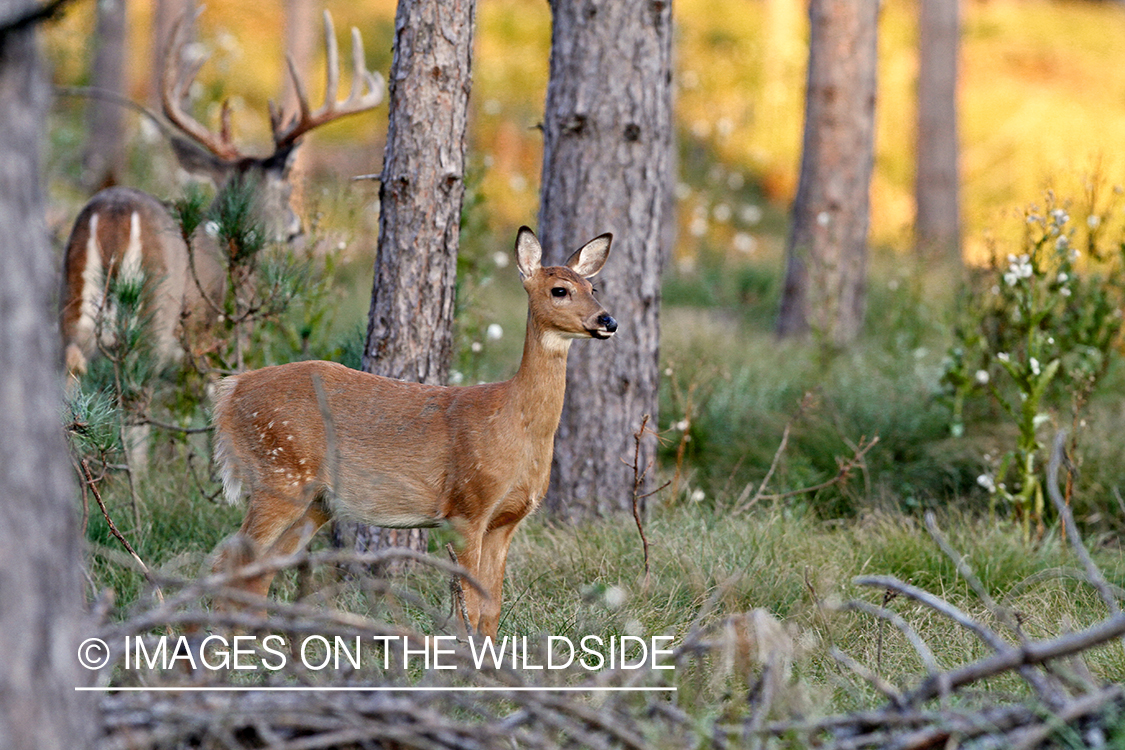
122 231
308 441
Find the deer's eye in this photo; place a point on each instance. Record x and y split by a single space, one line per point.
558 291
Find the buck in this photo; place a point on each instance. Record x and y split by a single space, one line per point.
310 440
122 231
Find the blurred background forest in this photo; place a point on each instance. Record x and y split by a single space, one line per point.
1040 98
775 434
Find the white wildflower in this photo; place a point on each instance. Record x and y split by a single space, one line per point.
744 243
494 332
1063 277
1093 221
750 214
722 213
697 496
1003 357
986 481
982 377
1018 268
1065 291
614 597
1062 242
476 346
1059 217
1034 366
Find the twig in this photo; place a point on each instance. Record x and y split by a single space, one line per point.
845 470
639 476
741 505
1093 572
1028 655
886 615
1037 681
458 591
877 682
144 419
92 484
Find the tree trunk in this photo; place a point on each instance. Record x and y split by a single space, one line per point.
607 166
410 327
41 619
825 282
937 226
104 160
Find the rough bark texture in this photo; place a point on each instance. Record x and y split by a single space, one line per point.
825 282
41 618
104 159
937 226
607 161
410 328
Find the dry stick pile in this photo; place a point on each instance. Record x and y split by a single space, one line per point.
518 710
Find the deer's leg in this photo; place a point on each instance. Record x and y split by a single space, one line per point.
468 557
274 526
493 558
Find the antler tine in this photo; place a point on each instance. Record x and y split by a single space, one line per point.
357 101
175 82
332 60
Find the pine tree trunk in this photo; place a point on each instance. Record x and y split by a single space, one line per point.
825 280
410 328
41 618
607 167
937 226
104 160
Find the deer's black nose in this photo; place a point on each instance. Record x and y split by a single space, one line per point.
607 322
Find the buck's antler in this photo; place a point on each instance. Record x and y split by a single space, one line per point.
179 74
175 81
286 134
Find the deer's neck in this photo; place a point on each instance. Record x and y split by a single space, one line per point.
540 384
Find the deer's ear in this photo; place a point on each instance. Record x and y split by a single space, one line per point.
589 259
529 252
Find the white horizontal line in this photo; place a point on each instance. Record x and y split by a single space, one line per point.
374 689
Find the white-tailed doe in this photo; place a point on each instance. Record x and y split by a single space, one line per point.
125 231
309 440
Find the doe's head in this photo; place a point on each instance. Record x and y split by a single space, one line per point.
561 298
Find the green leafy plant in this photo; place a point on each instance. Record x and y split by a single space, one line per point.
1036 333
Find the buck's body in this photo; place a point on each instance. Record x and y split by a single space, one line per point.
125 232
122 230
308 440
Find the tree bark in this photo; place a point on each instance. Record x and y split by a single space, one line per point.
607 166
825 279
410 327
104 159
41 619
937 225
